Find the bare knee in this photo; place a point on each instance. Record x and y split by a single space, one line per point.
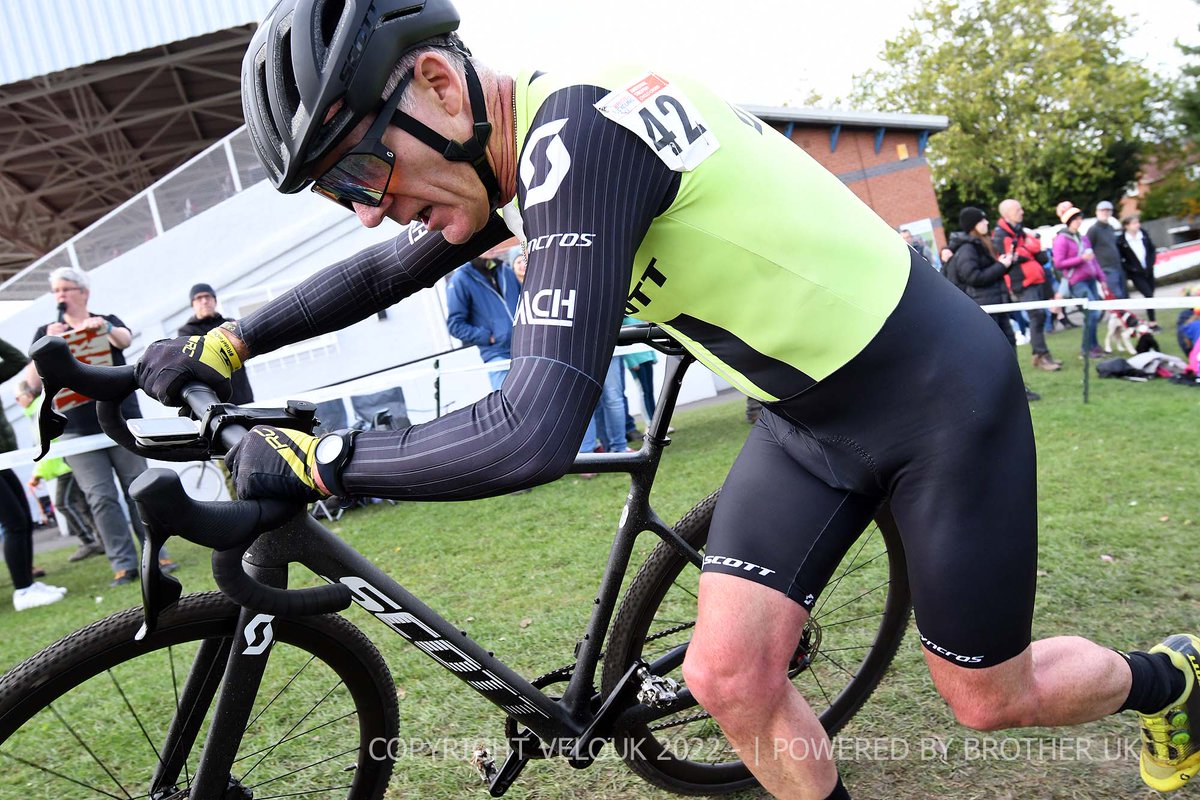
724 688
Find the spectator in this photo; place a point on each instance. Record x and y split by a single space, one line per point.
1137 258
980 271
1075 259
1103 237
68 497
94 469
1187 326
204 318
641 366
918 245
481 298
16 523
1027 274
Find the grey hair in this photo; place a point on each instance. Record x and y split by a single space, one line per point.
75 276
449 45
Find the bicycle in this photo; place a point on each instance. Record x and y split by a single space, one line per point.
198 680
203 481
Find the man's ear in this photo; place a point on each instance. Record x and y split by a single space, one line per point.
433 74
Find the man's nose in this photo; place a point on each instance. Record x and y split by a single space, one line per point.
369 216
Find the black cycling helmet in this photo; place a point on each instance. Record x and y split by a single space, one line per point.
308 54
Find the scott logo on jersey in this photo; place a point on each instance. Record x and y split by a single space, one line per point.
546 307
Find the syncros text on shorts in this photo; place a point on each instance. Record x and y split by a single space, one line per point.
930 417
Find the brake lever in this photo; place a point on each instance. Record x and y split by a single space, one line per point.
160 591
51 424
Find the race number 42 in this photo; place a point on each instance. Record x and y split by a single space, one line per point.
661 115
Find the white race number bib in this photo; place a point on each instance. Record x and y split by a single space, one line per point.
660 114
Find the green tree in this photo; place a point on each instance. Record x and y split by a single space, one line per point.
1177 192
1043 105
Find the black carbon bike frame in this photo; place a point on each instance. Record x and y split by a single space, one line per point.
574 727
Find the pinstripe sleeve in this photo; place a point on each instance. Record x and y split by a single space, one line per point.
362 285
589 191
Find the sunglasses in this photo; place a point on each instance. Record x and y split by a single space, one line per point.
362 175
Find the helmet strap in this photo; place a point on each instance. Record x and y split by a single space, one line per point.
474 150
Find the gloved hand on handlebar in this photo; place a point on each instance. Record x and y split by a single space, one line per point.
169 364
272 462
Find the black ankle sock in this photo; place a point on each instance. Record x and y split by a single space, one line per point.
1156 682
839 792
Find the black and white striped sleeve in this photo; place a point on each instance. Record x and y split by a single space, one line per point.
589 190
364 284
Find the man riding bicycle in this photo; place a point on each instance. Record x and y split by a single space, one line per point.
641 192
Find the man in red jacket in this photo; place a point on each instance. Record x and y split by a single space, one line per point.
1027 276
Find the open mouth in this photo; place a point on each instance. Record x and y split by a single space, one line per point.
423 215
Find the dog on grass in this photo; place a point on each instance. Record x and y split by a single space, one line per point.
1124 327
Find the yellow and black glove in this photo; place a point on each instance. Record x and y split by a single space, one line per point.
277 463
169 364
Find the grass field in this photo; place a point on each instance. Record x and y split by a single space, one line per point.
1117 563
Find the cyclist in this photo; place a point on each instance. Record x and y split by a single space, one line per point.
642 193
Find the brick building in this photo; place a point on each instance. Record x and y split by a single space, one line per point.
880 156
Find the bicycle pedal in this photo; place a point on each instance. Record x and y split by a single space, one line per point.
657 691
482 761
503 778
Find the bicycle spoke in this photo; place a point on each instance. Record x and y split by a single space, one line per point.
282 689
68 778
686 590
301 769
839 665
860 597
831 588
842 649
308 791
134 714
297 736
294 726
820 686
89 751
827 625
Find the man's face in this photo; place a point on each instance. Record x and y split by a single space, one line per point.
1104 214
907 236
204 305
1016 213
446 196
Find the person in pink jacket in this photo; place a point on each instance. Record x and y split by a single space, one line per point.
1074 258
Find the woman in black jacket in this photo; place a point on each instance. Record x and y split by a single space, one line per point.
1137 257
979 272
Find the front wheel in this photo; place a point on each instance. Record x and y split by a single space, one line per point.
88 716
847 645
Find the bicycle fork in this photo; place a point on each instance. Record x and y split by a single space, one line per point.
235 667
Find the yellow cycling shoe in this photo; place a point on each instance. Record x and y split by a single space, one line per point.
1171 738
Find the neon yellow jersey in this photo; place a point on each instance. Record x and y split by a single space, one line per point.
765 265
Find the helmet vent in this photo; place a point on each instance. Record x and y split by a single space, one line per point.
401 13
330 18
285 74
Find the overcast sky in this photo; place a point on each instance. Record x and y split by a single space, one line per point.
767 52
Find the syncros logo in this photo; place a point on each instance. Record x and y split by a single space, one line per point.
638 299
390 613
547 307
950 654
560 240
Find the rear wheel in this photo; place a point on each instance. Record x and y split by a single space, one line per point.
845 648
87 716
